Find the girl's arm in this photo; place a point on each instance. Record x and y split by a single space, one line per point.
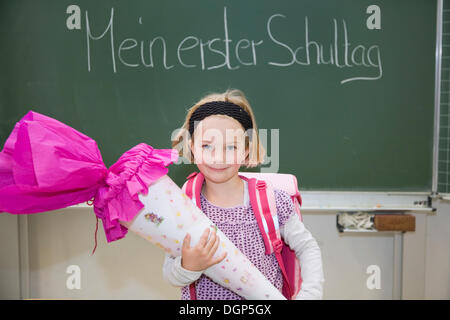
175 274
308 252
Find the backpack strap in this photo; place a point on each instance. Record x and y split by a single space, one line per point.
262 198
192 187
258 210
297 199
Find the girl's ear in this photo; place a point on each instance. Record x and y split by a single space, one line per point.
191 148
247 152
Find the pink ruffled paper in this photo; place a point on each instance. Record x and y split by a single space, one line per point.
132 174
46 165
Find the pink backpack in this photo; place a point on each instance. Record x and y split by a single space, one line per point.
262 199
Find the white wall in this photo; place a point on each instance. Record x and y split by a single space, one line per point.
126 269
9 257
437 266
131 268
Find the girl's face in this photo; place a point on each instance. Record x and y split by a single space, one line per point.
219 147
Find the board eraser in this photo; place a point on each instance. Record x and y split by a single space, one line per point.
395 222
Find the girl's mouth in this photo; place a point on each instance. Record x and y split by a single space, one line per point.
218 169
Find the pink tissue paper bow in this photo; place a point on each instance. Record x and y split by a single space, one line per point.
47 165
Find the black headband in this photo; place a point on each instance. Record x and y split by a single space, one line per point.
221 107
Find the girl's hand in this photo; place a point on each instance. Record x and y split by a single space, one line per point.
200 257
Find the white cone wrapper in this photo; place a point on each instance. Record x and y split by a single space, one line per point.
169 214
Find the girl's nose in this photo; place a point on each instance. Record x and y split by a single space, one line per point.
226 159
218 157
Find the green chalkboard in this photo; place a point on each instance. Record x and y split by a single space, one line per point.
444 103
347 85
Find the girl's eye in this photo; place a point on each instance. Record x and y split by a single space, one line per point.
207 146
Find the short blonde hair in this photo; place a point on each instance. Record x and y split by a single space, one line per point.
256 154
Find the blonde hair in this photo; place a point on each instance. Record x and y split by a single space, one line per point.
256 150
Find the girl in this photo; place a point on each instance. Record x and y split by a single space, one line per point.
225 200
